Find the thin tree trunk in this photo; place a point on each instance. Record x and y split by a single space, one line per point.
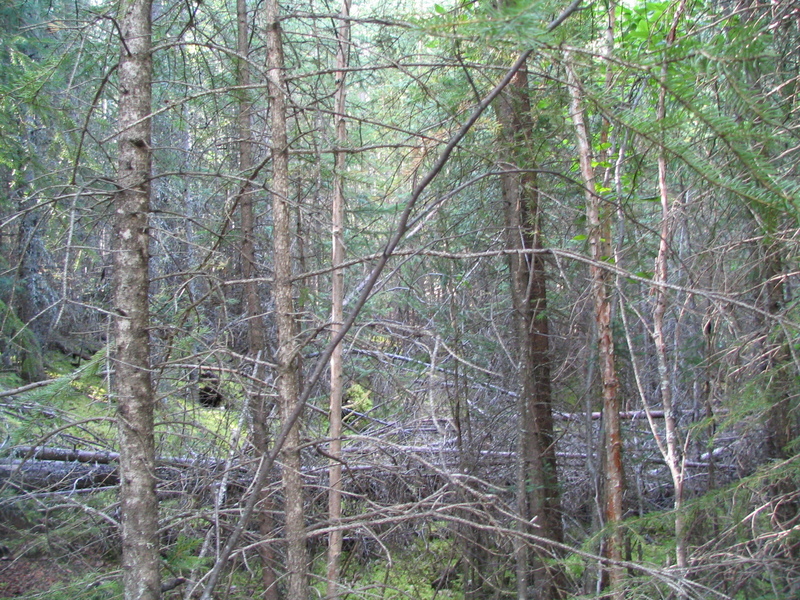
673 445
599 237
776 365
369 285
256 334
539 497
337 307
776 354
287 353
135 399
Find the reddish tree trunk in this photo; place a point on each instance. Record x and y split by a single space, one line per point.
599 237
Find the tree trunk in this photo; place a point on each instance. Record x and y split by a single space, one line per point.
135 399
337 307
672 456
599 237
776 357
287 353
256 334
539 481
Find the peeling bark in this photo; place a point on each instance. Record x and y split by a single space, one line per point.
599 237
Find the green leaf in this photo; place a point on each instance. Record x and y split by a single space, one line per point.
439 9
580 237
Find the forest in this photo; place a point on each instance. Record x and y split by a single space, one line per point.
407 300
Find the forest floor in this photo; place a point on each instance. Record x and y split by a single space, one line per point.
22 576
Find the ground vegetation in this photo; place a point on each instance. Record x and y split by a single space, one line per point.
410 300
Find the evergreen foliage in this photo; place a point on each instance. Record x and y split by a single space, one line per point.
431 463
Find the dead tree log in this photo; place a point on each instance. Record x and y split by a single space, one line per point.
54 475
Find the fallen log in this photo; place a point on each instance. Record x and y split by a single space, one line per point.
595 416
43 469
100 457
51 475
104 457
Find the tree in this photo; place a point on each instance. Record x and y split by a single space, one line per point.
538 494
256 331
337 301
287 352
482 282
133 386
599 236
672 451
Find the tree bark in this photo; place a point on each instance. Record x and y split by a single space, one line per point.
287 352
672 456
599 237
337 306
775 350
256 334
538 485
401 228
132 383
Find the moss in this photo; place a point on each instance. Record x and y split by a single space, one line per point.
357 399
32 367
357 404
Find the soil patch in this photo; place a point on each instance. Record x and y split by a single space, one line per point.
22 576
